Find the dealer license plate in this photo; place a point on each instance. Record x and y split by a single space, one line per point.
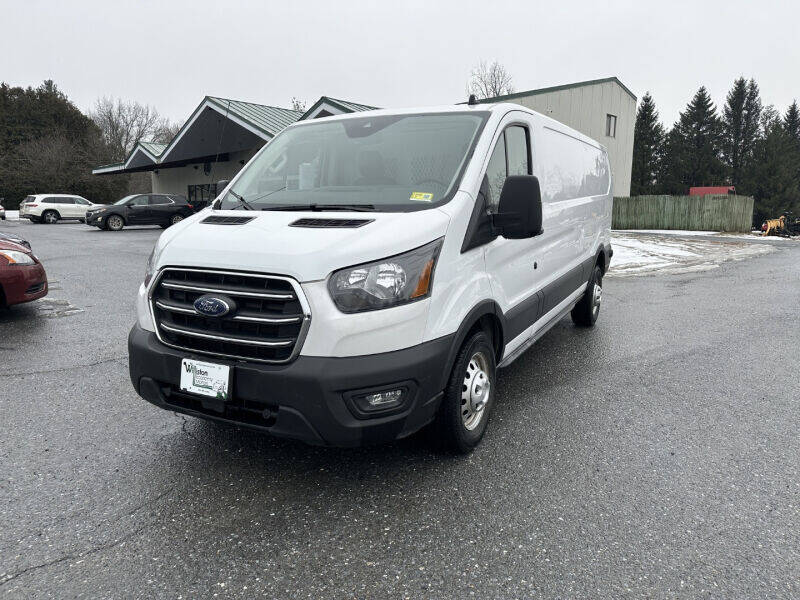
206 379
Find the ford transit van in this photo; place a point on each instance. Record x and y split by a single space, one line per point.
366 275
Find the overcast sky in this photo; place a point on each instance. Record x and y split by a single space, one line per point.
398 53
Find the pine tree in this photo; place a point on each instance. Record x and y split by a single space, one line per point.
791 122
648 142
692 149
740 118
773 175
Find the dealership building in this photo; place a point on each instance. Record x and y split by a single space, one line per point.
221 135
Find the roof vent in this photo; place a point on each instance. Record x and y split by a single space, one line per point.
220 220
331 223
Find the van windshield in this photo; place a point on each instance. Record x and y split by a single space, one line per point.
386 163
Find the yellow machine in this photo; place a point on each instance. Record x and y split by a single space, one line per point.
774 226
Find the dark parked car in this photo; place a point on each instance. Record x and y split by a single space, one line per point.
141 209
10 237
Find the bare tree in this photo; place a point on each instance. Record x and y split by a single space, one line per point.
299 105
165 131
489 80
124 124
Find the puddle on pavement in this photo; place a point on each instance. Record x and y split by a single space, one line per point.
53 308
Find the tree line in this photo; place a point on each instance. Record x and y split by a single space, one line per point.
748 145
48 145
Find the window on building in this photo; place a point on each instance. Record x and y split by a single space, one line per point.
611 126
200 195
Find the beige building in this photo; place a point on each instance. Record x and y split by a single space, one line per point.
603 109
221 135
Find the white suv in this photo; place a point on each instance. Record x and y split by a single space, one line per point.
50 208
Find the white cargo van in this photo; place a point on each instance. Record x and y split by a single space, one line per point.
366 275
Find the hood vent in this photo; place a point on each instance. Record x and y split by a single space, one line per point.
331 223
220 220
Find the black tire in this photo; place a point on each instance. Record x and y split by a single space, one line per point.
452 426
114 223
586 311
175 219
50 217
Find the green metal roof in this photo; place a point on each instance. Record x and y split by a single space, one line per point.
344 105
350 106
557 88
267 119
153 148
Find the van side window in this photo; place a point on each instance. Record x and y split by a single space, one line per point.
517 151
510 157
496 174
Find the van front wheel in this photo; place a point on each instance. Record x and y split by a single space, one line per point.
469 396
586 311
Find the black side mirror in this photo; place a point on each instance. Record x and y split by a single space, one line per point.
519 212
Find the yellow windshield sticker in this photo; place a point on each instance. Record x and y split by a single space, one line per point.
422 196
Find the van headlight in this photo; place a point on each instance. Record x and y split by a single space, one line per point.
384 283
149 270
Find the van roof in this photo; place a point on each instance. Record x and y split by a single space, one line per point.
500 107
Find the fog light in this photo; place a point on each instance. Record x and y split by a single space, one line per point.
377 402
384 399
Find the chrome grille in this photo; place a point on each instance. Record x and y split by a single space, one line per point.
268 325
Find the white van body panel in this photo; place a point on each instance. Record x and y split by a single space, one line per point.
334 333
461 281
269 244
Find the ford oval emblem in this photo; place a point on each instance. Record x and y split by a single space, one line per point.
211 306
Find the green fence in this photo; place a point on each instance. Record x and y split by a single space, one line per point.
691 213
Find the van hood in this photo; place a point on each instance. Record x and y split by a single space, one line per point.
270 244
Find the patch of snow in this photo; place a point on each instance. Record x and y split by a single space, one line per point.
12 215
639 255
656 247
756 235
666 231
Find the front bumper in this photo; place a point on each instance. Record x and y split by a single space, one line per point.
308 399
23 283
95 219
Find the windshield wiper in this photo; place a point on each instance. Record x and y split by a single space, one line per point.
241 200
322 207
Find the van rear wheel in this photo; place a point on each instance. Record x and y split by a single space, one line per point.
50 217
469 397
586 311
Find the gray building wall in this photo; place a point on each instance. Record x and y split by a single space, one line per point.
584 107
177 179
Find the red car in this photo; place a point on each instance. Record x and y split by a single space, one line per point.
22 276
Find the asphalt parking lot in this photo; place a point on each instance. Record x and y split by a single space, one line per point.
656 455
